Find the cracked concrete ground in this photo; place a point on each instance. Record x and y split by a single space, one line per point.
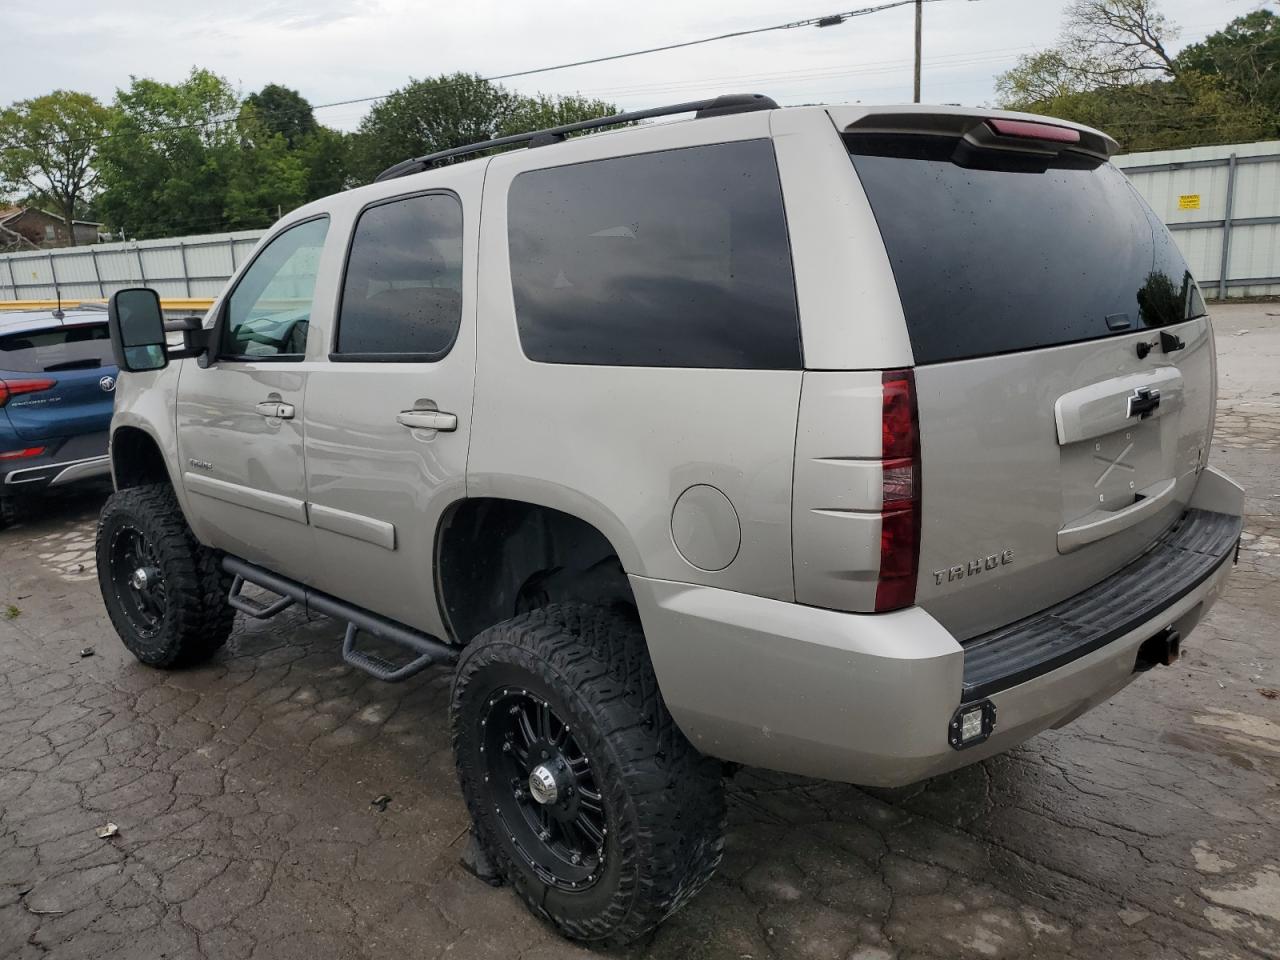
242 791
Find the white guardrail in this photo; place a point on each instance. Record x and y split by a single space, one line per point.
184 267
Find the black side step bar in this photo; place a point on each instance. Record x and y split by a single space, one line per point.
428 649
259 611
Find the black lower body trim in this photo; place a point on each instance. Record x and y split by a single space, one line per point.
1187 554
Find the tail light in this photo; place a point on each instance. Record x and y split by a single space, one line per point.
900 492
12 388
19 454
1031 130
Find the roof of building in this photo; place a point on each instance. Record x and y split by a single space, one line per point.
11 212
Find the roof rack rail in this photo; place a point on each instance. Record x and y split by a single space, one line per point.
718 106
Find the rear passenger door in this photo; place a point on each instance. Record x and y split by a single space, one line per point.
641 359
388 417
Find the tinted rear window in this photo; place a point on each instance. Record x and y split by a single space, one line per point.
677 258
1017 255
81 347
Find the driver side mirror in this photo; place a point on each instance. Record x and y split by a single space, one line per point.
136 323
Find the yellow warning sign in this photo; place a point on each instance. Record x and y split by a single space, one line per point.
1189 201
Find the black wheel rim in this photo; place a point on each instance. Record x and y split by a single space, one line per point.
542 787
137 580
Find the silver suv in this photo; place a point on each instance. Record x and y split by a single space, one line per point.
856 442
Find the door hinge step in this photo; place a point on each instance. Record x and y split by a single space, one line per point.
259 611
379 667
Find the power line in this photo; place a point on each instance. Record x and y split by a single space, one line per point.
865 67
829 20
799 76
806 75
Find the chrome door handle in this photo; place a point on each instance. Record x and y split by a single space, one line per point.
427 420
275 410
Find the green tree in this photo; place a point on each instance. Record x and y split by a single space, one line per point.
48 147
453 110
326 154
1112 69
186 158
1104 43
1245 57
265 177
283 111
541 111
1039 77
1161 115
166 164
425 116
323 152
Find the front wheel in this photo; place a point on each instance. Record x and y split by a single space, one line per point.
583 792
162 589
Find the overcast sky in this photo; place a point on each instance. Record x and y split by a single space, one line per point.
335 50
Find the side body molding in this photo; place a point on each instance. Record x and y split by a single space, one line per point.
369 529
275 504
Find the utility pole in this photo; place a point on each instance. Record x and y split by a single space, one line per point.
919 18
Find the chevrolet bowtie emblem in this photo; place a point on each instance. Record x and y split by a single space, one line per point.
1143 403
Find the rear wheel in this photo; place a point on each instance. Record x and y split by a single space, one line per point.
584 793
163 590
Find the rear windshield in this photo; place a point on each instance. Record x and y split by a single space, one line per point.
81 347
1013 254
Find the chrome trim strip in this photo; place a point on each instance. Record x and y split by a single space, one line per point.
48 467
97 467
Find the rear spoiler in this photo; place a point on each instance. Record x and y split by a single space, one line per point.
1011 133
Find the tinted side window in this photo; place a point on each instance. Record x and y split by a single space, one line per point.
80 347
403 290
270 309
671 259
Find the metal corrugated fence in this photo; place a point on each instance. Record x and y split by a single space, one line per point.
189 267
1223 204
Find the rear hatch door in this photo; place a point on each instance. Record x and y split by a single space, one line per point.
72 363
1064 362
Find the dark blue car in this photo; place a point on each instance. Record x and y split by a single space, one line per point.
57 382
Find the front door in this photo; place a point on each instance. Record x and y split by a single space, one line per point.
240 418
388 418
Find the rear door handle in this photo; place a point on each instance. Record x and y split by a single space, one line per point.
427 420
1103 523
275 410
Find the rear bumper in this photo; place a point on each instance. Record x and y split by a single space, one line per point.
68 461
869 698
1177 564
